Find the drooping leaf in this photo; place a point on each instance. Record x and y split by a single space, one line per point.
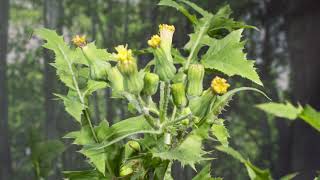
219 130
204 174
254 172
84 175
196 8
123 129
286 110
222 101
226 55
311 116
289 176
180 8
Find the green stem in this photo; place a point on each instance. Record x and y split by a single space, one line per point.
165 101
177 120
146 115
87 116
173 116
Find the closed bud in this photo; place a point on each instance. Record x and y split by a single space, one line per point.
125 171
185 122
151 82
180 77
132 147
179 95
200 105
116 79
99 70
195 79
164 66
127 67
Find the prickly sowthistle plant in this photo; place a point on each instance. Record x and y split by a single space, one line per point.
158 133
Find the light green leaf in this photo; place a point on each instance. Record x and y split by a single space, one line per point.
93 86
64 56
222 101
82 137
204 174
92 54
286 110
102 130
220 132
226 55
311 116
196 8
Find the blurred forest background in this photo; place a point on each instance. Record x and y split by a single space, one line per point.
286 48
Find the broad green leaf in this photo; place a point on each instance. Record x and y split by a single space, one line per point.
72 104
226 55
311 116
93 86
223 101
220 132
189 152
204 174
92 54
180 8
286 110
289 176
254 172
123 129
102 130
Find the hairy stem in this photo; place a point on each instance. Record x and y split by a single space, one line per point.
165 94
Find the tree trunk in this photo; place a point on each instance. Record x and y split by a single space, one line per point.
5 155
303 27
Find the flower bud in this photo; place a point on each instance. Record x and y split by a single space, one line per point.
179 95
195 79
151 82
116 79
133 83
164 66
127 67
200 105
166 35
125 171
99 70
180 77
185 122
79 41
132 147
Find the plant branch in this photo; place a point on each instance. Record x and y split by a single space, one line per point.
165 94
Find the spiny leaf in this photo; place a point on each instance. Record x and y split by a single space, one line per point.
204 174
286 110
189 152
82 137
220 132
72 104
96 157
223 100
226 55
311 116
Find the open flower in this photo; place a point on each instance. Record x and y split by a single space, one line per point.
123 53
79 41
154 41
219 85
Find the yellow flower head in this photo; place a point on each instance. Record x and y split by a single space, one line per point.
167 27
79 41
219 85
123 53
154 41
